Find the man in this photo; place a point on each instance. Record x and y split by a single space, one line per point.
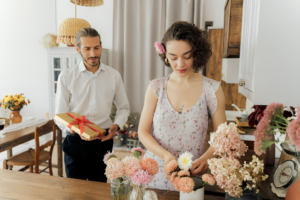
89 89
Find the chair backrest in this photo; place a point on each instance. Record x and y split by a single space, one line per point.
49 127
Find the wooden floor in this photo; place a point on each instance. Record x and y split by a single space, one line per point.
121 154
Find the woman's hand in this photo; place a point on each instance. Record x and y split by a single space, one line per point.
167 158
199 166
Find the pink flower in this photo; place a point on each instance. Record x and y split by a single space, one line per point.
171 166
176 183
183 173
273 109
114 168
226 141
137 152
263 130
141 177
108 156
293 130
226 172
186 184
172 178
131 164
159 48
208 179
150 165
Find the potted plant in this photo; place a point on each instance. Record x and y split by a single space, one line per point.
15 104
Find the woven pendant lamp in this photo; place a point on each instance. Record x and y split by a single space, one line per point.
68 29
88 3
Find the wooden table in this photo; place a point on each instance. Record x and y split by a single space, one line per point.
16 138
20 185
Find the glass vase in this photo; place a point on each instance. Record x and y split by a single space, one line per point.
137 192
120 188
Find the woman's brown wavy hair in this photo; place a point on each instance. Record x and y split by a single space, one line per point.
201 48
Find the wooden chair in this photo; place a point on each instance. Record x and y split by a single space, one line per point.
38 156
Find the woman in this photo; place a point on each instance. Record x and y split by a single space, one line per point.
181 104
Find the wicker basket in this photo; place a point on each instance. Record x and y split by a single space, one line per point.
88 3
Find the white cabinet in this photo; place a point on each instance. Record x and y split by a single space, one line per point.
230 70
59 59
269 58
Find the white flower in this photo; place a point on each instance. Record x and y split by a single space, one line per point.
185 161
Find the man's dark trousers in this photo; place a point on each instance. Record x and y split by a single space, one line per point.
84 159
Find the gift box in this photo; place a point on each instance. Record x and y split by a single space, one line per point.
80 125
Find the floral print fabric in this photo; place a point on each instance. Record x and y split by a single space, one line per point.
176 132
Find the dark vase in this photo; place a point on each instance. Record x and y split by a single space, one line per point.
247 195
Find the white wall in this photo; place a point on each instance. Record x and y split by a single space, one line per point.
213 10
24 64
100 18
23 67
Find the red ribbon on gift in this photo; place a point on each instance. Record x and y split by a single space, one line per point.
82 122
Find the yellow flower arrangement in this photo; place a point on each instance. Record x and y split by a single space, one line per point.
14 103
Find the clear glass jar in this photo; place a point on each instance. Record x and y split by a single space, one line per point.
137 192
120 188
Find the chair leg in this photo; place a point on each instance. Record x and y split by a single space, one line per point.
31 169
50 167
5 166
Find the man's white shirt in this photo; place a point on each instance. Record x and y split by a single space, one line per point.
85 93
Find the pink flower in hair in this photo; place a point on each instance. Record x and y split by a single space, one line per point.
159 48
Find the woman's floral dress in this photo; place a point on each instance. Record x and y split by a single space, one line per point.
176 132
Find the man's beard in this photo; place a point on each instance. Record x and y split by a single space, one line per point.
86 60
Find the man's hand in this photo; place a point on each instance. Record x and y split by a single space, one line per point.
111 132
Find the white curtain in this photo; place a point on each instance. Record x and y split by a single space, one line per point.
137 24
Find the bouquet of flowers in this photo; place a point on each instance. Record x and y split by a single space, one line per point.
14 103
281 120
141 172
226 169
181 177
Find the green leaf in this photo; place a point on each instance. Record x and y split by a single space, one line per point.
266 144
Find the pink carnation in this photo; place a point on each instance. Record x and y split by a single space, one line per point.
138 151
150 165
108 156
208 179
131 164
114 168
159 48
186 184
176 183
141 177
171 166
183 173
172 178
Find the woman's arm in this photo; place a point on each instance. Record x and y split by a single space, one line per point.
200 165
145 128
